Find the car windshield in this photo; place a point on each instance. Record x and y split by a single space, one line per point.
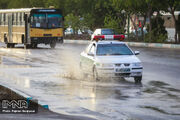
108 32
42 20
113 49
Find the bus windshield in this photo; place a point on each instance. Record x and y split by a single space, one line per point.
44 20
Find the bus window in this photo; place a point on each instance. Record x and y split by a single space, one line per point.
18 18
54 20
6 19
38 21
22 19
44 20
14 19
0 19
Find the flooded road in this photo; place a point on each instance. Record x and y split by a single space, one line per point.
52 76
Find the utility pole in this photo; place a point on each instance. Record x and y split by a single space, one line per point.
128 26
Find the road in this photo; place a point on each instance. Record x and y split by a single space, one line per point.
52 76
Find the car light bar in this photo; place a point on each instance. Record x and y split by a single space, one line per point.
99 37
109 37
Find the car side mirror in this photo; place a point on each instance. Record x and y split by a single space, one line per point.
90 54
136 52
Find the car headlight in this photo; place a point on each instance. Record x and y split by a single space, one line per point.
137 64
104 65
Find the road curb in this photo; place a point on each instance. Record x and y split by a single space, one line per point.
137 44
77 41
154 45
24 95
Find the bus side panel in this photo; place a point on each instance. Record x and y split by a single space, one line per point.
3 32
10 40
35 32
18 32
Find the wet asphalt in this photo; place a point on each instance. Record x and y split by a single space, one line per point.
53 77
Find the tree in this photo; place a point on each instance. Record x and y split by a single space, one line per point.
143 10
114 22
18 4
73 22
132 8
154 6
99 11
55 3
115 17
88 21
158 33
4 4
37 3
173 5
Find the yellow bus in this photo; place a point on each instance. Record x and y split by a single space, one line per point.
31 26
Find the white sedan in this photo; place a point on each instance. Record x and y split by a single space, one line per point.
111 59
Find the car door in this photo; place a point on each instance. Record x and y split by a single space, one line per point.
83 58
87 58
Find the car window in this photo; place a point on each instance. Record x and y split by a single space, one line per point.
113 49
88 48
108 32
92 49
97 32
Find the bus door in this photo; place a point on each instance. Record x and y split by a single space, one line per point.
10 28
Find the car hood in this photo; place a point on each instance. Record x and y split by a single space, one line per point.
117 59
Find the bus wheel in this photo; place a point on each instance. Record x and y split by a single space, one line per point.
10 45
53 44
26 46
34 45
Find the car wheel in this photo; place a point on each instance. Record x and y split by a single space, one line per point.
95 74
138 79
53 44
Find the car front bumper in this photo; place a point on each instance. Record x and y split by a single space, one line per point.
114 72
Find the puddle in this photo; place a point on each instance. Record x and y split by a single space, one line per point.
158 83
58 82
159 110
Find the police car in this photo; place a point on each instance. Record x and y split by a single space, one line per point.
111 59
106 34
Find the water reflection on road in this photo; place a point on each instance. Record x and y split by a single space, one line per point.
53 77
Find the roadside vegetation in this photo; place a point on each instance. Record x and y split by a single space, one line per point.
83 15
